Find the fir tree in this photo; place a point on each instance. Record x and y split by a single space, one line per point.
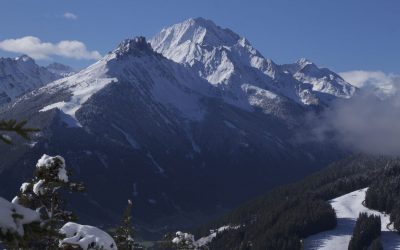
124 234
42 194
366 230
376 245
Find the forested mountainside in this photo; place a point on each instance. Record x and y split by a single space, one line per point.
284 217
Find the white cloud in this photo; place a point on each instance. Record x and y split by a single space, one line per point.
369 122
383 84
34 47
70 16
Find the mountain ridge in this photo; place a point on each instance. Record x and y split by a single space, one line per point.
230 60
162 133
21 75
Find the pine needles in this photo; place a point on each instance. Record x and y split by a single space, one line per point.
12 126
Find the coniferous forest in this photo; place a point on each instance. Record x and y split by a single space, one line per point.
366 233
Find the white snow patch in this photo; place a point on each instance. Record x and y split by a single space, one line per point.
189 238
47 161
81 86
183 237
347 208
9 222
213 233
15 200
86 237
24 187
37 188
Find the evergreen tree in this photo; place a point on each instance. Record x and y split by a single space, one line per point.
42 193
9 126
367 229
124 234
19 226
376 245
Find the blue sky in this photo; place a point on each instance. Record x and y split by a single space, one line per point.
343 35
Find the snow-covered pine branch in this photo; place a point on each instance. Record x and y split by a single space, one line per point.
86 237
14 221
42 193
12 126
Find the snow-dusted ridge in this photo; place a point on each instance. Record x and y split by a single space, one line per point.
135 62
347 208
21 75
224 58
60 69
81 87
210 61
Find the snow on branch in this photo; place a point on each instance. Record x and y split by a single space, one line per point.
13 217
86 237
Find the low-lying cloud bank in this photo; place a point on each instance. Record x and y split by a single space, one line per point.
377 81
35 48
370 121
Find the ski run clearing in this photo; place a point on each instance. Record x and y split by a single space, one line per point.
347 208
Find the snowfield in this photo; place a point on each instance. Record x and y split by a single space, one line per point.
347 208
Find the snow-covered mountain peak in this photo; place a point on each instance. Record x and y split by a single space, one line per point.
192 33
302 62
25 58
214 50
20 75
142 71
322 80
135 46
229 61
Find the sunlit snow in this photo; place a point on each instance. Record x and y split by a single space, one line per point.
347 208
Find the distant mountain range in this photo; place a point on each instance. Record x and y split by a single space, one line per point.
21 75
188 125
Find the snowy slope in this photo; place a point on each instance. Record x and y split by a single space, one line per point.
133 61
81 86
322 80
21 75
60 69
229 61
347 209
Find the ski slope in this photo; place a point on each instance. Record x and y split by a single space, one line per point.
347 209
